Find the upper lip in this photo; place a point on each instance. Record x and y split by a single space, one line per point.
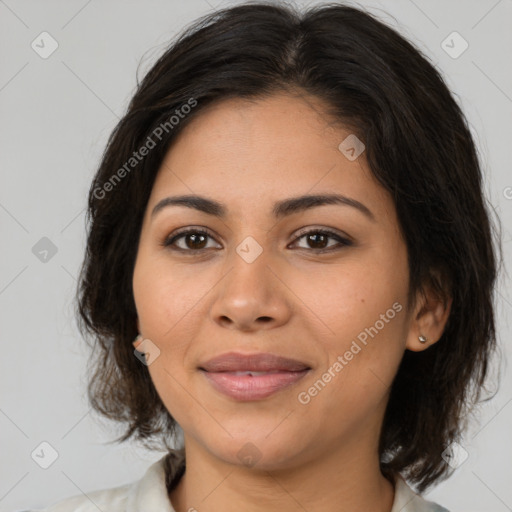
233 361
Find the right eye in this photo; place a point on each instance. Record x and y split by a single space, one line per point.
193 240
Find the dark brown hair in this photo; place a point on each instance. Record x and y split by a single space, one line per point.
419 148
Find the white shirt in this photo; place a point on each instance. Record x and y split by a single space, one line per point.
149 494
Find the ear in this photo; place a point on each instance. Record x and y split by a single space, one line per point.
429 319
137 341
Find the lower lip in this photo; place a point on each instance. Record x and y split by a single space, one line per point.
249 387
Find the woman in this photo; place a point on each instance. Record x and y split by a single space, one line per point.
289 221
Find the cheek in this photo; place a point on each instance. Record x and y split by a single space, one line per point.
348 298
163 304
164 297
362 314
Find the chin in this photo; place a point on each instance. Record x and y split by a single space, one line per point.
258 452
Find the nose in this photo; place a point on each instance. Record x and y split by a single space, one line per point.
251 296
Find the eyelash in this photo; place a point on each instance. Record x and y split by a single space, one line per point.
343 242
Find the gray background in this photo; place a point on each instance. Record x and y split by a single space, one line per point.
55 117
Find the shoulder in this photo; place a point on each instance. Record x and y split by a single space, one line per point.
150 493
406 500
113 499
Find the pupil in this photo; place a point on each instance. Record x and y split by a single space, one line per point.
194 238
314 238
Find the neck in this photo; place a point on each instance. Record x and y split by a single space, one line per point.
342 480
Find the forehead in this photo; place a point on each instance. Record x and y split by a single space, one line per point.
247 153
276 123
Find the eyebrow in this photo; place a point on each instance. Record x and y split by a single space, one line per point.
281 208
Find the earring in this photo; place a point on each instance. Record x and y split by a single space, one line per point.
423 339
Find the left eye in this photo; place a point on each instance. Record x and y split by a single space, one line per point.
195 240
320 238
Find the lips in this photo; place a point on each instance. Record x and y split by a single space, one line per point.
253 376
264 362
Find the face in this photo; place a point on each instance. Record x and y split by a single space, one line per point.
322 284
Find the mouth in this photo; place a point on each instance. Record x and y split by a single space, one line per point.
253 376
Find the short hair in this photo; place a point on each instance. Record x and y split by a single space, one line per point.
419 148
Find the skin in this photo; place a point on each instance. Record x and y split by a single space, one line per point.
292 301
